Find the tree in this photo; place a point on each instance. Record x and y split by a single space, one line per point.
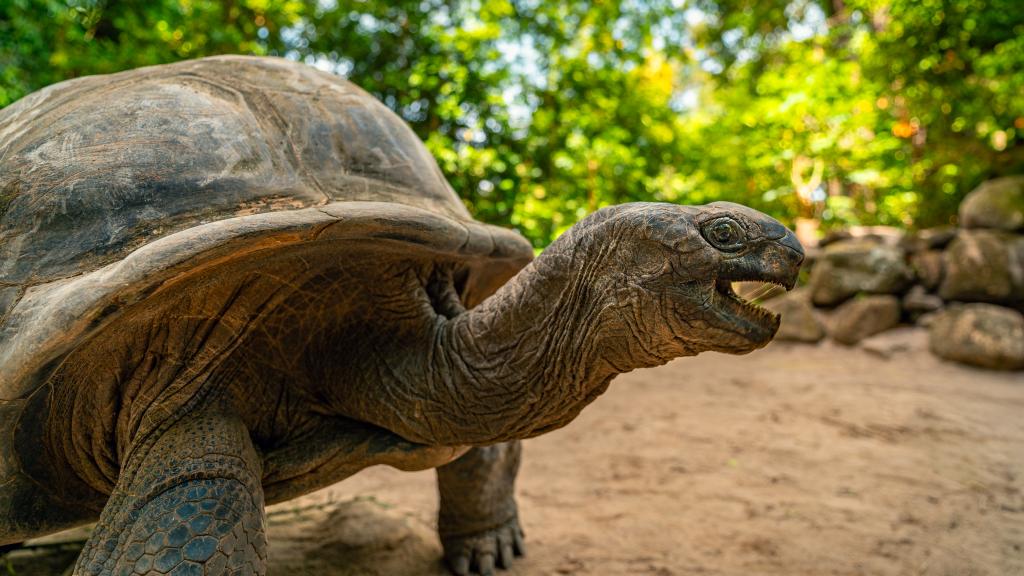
853 111
922 105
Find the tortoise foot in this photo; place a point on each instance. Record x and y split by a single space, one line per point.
481 552
479 521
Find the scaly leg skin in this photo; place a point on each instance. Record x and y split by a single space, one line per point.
478 523
188 501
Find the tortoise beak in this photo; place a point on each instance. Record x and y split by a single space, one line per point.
782 265
776 261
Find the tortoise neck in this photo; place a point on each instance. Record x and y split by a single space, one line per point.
529 358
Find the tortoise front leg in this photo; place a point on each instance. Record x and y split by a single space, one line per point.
188 501
478 522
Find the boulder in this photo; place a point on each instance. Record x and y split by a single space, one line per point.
917 301
979 334
984 266
929 266
896 341
997 204
864 316
935 238
848 267
880 234
925 320
799 319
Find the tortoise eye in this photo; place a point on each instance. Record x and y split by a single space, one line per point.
724 233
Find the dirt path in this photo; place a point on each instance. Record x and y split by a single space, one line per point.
791 461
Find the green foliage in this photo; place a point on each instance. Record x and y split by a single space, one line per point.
863 111
45 41
907 104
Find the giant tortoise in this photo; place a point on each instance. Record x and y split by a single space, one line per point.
228 282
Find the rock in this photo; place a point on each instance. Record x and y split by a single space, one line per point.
929 267
984 266
927 319
935 238
864 316
997 204
979 334
896 341
851 266
799 320
918 301
888 235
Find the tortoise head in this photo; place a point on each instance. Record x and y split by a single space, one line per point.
630 286
669 274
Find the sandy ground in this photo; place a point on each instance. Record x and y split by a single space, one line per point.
794 460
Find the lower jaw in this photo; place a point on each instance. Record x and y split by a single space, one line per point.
741 312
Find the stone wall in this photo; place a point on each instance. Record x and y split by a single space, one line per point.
965 285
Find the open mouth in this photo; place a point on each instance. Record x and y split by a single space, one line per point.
748 309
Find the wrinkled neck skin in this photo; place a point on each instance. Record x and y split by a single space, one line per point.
533 355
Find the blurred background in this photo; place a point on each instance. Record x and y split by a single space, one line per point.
836 112
853 446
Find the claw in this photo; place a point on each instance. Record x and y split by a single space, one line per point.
520 545
460 566
486 551
485 564
505 556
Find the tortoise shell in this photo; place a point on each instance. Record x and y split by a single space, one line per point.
113 188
